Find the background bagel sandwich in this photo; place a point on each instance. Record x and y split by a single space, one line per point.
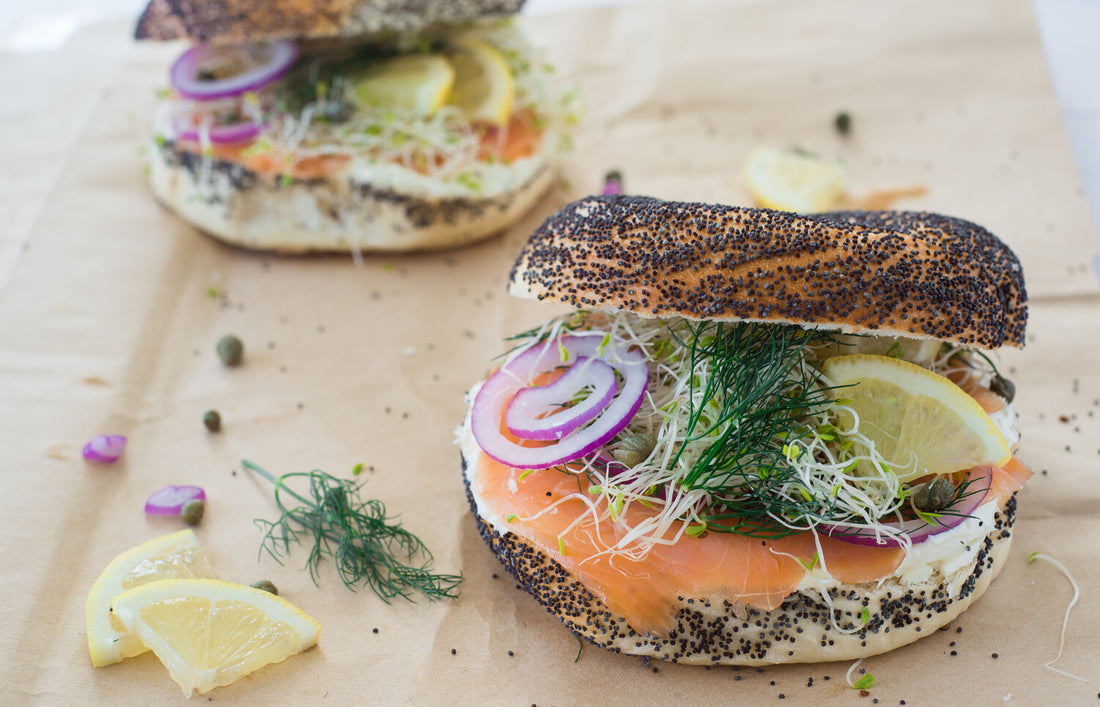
352 125
761 437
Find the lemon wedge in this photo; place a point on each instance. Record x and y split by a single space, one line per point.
420 83
794 180
166 557
484 88
209 633
920 422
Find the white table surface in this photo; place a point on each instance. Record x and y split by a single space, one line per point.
1068 30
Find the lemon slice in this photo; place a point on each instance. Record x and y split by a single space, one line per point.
920 422
166 557
793 180
417 82
209 633
484 88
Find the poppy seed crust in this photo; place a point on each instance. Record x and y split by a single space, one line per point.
890 273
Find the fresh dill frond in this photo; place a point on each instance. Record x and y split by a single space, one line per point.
759 393
367 546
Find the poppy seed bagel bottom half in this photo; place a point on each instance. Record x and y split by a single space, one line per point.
338 213
716 631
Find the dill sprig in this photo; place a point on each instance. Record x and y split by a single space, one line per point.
367 546
758 394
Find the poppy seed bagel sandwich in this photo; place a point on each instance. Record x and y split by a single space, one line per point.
761 437
353 125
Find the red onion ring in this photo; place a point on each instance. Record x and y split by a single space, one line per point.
488 407
183 74
917 530
521 415
105 449
223 134
171 499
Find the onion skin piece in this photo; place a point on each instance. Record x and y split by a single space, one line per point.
105 449
170 500
980 477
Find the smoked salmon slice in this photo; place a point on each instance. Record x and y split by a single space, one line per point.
543 505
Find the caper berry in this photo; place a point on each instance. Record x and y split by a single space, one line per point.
934 496
230 350
843 123
1003 387
212 420
266 586
192 511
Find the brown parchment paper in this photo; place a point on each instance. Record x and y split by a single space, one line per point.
106 327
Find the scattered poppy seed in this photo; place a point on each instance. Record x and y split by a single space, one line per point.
454 652
374 630
995 656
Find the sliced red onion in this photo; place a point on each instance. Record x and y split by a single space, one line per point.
222 134
516 374
528 415
917 530
184 73
171 499
105 449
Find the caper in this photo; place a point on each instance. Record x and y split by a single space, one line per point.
843 123
192 511
266 586
230 350
934 496
212 420
1003 387
634 449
